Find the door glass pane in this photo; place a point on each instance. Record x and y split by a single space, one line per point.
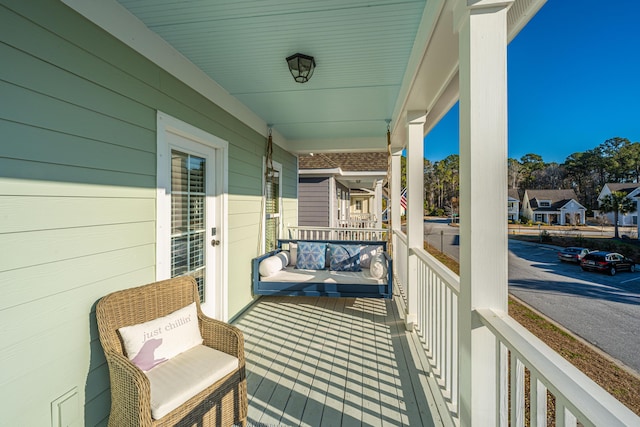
179 213
271 233
272 218
188 230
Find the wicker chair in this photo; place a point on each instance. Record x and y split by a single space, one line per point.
224 403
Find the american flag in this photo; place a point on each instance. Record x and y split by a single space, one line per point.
403 199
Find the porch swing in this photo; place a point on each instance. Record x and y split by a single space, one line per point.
332 268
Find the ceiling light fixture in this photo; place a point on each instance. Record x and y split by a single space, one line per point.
301 67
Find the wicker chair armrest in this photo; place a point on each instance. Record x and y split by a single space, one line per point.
131 404
223 337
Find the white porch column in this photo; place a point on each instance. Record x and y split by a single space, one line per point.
394 203
482 29
415 208
333 209
378 201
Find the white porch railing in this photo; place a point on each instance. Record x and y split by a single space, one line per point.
399 248
357 223
438 290
335 233
362 216
577 398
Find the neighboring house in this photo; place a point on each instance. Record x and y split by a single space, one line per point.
553 207
341 189
513 205
632 190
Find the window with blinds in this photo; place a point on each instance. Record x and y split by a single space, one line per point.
188 231
272 212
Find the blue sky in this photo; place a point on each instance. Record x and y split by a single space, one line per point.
574 82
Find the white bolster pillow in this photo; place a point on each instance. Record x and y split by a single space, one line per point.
271 265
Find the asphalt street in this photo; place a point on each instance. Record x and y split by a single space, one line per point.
603 310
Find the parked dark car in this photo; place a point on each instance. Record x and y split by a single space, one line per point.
610 262
572 254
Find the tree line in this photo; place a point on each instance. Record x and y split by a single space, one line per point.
616 160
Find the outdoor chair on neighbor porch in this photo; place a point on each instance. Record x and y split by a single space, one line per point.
204 385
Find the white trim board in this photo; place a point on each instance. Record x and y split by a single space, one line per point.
166 125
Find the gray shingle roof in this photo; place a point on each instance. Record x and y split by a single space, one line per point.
626 187
558 198
348 162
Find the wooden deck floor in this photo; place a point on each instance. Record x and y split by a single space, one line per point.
332 362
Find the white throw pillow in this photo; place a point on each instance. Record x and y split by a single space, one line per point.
378 267
150 343
271 265
367 252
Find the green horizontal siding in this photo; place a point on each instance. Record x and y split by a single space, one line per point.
36 109
48 146
77 198
19 286
21 213
25 249
58 358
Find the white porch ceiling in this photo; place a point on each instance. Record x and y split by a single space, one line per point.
375 60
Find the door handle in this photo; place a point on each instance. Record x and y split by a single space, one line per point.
215 242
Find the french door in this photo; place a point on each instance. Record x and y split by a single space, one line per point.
191 227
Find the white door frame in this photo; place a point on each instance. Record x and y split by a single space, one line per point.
216 307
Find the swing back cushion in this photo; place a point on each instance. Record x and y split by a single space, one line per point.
344 257
311 255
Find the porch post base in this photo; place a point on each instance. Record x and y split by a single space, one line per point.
410 321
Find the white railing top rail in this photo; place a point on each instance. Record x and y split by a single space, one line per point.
359 223
586 400
449 277
362 216
400 235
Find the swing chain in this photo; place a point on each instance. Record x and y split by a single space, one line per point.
269 172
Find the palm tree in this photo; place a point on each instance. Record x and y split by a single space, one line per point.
618 203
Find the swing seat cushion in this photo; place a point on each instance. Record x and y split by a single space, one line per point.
337 271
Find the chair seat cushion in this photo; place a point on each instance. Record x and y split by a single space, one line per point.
187 374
